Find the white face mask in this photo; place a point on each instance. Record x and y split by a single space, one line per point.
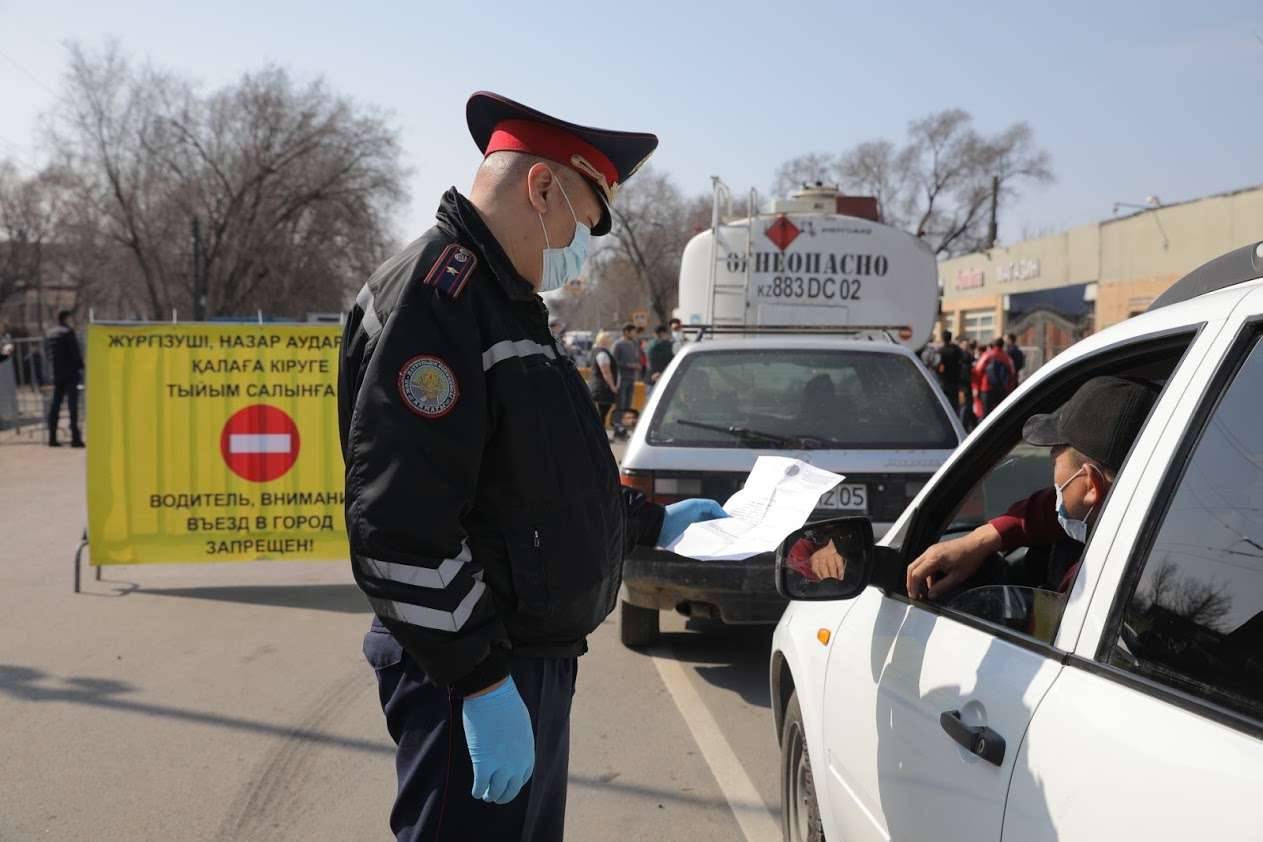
564 264
1076 529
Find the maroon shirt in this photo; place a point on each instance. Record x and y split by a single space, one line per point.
799 558
1030 523
1033 523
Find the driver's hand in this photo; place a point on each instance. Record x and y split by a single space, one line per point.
945 567
828 563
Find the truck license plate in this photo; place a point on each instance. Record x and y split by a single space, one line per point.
847 497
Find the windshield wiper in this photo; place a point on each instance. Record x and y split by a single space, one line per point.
743 433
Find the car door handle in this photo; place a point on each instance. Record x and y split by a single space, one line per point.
978 739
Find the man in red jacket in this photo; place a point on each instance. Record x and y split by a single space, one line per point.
1090 436
997 376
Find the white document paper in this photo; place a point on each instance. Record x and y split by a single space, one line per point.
779 495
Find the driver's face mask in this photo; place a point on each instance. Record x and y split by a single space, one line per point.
1076 529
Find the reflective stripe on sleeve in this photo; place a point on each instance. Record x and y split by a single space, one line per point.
420 577
430 618
509 349
371 324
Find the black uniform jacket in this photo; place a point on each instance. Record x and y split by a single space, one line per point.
482 501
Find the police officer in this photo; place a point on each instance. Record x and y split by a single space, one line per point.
486 520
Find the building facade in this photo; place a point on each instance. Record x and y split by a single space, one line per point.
1054 290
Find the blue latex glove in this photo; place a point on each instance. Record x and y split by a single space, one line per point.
501 743
680 515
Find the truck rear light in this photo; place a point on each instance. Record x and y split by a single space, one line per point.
642 481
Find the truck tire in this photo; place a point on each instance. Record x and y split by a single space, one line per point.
637 626
800 814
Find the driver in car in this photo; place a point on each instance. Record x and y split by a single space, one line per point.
1090 436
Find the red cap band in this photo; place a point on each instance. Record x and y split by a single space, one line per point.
549 142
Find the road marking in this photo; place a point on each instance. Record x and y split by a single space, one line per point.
747 805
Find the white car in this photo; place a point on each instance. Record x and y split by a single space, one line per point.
864 408
1130 707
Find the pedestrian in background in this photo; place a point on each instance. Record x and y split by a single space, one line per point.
660 352
603 377
950 360
627 359
642 342
677 334
6 347
968 418
929 356
63 350
1016 355
997 377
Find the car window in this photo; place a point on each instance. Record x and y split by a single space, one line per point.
800 398
1023 470
1194 620
1027 589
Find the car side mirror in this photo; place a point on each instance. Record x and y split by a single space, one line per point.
829 559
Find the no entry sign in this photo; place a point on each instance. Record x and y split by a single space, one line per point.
161 491
259 443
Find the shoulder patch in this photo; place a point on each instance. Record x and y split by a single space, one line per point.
428 386
451 271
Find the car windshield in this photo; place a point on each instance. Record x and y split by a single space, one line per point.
801 399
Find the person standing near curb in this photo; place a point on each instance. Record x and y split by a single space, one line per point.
603 377
627 358
67 359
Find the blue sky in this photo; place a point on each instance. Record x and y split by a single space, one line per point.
1132 99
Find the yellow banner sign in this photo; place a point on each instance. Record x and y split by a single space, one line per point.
213 443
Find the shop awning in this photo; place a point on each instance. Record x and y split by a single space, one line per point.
1067 301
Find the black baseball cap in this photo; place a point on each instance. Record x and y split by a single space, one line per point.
1101 421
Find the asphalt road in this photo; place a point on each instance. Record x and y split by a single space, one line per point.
231 702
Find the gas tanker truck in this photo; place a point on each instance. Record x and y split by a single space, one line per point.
818 262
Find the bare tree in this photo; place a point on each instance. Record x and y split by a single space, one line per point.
874 168
942 184
1200 602
653 221
805 169
31 214
291 184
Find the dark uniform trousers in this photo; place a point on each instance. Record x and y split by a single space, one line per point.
434 801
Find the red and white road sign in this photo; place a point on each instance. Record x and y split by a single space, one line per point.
259 443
